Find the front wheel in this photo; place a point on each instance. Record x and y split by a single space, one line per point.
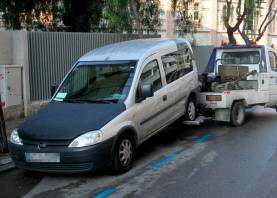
237 114
124 154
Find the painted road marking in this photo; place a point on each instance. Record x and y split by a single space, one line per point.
203 138
162 161
104 193
154 165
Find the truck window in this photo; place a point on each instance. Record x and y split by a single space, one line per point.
272 60
151 75
177 64
242 57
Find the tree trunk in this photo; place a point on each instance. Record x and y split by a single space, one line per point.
244 37
231 37
3 135
136 17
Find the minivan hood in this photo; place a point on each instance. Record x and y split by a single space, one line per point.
66 121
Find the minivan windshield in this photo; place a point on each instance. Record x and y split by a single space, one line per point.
101 82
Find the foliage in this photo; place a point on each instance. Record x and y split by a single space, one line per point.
18 14
247 15
131 16
56 15
184 20
83 15
116 16
149 13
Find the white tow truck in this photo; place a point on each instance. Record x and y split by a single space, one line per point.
236 78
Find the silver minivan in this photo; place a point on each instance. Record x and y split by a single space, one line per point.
113 99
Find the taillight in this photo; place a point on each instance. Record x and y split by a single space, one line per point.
213 98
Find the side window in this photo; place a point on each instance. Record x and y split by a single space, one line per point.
177 64
272 60
151 75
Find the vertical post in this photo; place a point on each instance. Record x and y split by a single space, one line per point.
169 19
213 24
20 57
3 135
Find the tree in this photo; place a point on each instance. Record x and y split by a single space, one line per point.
250 20
116 16
145 15
247 14
184 20
82 15
18 14
132 16
227 13
150 13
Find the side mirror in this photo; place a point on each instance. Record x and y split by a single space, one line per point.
53 89
145 91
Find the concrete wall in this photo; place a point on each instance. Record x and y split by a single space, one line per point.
6 47
201 56
14 51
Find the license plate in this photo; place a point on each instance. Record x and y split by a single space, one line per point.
42 157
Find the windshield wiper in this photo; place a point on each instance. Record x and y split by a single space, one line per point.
91 101
88 101
96 101
67 100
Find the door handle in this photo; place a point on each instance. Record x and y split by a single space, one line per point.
272 77
164 97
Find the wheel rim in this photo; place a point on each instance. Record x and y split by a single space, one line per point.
191 110
239 113
125 152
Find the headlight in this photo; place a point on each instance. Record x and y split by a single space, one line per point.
15 139
87 139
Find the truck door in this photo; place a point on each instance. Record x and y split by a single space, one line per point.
273 79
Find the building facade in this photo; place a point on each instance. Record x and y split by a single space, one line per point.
208 15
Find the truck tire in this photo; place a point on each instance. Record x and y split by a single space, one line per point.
191 113
237 114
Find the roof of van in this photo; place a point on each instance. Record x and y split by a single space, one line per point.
132 49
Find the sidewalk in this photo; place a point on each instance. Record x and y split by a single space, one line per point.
5 160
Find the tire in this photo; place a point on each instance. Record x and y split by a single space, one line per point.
124 154
191 113
237 114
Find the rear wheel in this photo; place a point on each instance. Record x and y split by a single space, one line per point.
237 114
190 110
124 154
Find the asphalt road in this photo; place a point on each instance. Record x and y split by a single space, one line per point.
211 160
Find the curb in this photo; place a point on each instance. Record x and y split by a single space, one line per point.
6 162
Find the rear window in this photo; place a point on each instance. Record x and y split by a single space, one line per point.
177 64
246 57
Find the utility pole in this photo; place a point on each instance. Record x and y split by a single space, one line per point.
3 135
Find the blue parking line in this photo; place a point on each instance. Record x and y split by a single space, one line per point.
203 138
104 193
162 161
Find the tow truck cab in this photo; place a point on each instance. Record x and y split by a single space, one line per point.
238 77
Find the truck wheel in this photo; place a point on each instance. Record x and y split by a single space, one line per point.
190 110
124 154
237 114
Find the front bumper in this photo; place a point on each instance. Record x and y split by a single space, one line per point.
72 160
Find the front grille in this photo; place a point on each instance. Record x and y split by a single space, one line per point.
48 143
55 167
